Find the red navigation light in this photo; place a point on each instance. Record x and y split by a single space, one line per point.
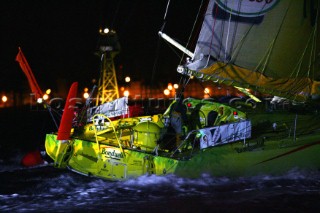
189 105
235 113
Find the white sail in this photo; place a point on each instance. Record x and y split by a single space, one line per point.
276 39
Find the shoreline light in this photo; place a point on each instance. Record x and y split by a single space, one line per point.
4 98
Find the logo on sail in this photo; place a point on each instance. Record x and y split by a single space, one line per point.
247 8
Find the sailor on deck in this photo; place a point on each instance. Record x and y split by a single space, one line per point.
177 118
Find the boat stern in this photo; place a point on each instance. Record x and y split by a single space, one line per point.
51 145
58 151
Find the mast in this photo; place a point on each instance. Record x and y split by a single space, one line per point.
109 47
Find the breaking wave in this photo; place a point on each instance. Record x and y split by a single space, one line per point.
45 189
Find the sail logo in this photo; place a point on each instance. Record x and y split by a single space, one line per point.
247 8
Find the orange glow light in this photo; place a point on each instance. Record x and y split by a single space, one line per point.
4 98
86 95
45 97
166 92
126 93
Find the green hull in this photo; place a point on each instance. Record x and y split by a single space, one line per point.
132 151
234 160
230 160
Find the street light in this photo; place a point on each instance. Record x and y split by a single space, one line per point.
206 92
45 97
85 95
4 98
106 30
126 93
166 92
127 79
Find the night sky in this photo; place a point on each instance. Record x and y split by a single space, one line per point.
59 38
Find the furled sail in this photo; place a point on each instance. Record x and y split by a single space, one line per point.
271 46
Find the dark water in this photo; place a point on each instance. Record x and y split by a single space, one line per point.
45 189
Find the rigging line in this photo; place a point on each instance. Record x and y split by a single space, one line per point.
294 90
298 66
234 34
58 114
241 42
212 33
184 83
158 44
238 46
275 38
268 52
165 17
192 30
219 38
297 88
166 12
228 32
243 38
50 112
314 59
267 56
264 57
312 51
181 82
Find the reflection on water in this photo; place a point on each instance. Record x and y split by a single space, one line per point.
45 189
